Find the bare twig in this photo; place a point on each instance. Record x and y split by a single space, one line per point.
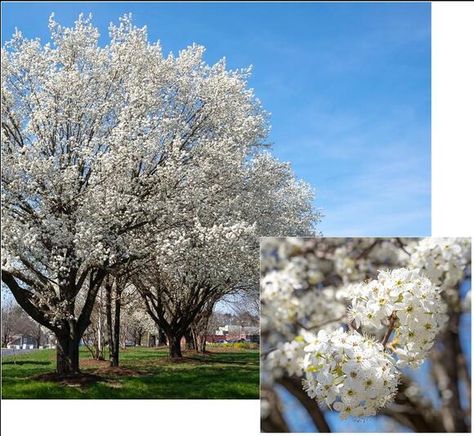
391 325
366 251
266 353
317 326
402 245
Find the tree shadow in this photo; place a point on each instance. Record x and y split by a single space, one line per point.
81 379
26 362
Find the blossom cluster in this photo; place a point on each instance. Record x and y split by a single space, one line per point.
350 373
287 357
443 260
292 295
392 296
411 301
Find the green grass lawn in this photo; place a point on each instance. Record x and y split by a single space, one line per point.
143 373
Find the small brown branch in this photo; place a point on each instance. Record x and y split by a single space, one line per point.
391 325
402 245
317 326
266 353
366 251
352 327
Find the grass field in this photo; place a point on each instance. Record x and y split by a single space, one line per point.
144 373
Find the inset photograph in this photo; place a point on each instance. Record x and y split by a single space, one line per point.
366 334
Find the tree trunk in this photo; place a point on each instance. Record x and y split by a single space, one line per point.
161 338
138 340
175 346
190 342
453 403
114 358
151 340
67 355
38 336
100 337
108 315
202 344
274 421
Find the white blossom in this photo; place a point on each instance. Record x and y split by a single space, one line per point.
288 356
349 373
116 152
392 302
413 300
443 260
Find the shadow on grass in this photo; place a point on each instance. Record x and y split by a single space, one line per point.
26 362
81 379
143 374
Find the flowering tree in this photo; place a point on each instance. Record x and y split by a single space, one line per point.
216 254
136 324
199 328
347 321
194 269
107 151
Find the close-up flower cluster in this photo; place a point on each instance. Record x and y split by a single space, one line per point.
442 259
410 302
351 325
349 372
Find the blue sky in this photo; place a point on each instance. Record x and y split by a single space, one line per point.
348 87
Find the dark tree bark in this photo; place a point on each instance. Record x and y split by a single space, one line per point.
201 325
174 343
67 355
451 342
116 349
108 316
113 293
190 341
161 337
38 336
68 330
138 339
175 318
274 421
410 412
177 321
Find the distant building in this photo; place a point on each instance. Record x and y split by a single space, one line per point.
24 342
235 332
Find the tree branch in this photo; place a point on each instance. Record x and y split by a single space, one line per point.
293 385
22 297
391 325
